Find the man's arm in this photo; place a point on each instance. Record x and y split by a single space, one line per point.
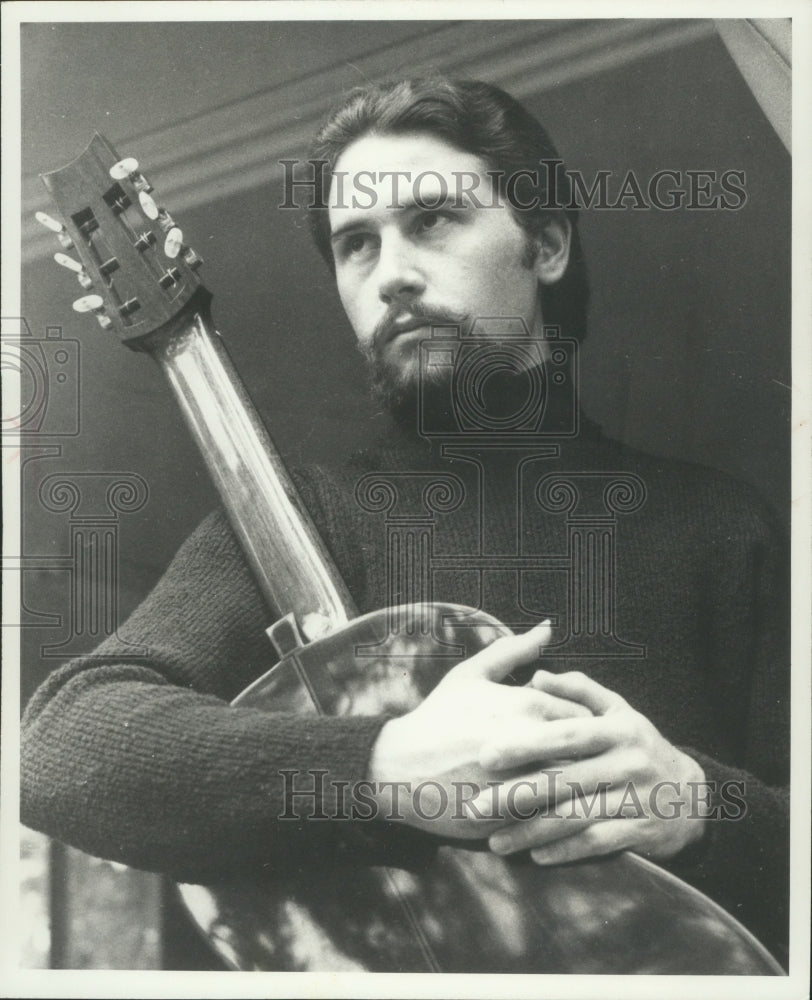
142 759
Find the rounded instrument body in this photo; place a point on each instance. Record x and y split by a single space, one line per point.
452 907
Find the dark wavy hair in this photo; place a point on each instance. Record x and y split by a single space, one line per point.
476 118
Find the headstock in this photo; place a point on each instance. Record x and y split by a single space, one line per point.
135 270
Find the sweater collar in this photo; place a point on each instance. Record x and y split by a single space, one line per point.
398 448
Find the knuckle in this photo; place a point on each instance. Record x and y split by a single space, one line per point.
637 763
537 710
629 727
569 732
576 676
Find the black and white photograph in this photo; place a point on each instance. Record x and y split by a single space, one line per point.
406 446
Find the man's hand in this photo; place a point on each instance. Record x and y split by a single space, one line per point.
618 784
434 750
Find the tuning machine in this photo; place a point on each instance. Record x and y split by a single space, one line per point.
174 247
56 227
154 212
128 168
94 304
73 265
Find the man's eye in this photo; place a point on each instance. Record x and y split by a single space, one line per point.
431 220
354 245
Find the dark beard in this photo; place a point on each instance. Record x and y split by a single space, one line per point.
399 397
414 406
410 408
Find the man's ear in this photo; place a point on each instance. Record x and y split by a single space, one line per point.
554 249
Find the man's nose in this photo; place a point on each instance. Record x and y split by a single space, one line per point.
399 278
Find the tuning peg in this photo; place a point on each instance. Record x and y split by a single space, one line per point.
148 206
76 267
108 266
144 241
128 168
169 278
165 220
174 245
49 222
153 212
94 304
56 227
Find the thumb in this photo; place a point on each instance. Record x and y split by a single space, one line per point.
505 655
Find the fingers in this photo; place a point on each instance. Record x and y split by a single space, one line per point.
573 820
551 707
578 827
505 655
576 686
532 802
573 790
592 841
564 818
531 741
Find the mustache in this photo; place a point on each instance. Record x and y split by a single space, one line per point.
393 321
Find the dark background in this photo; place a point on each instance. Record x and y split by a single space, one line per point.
689 349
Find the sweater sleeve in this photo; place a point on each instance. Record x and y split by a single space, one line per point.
743 857
137 756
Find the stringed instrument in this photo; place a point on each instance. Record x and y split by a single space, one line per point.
451 907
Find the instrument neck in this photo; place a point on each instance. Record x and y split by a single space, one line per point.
292 567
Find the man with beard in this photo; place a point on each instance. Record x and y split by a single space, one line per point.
145 762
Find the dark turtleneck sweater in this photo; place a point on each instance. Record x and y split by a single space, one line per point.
142 759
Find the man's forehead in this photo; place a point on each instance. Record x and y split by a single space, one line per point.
394 167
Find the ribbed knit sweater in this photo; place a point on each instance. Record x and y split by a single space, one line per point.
142 759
